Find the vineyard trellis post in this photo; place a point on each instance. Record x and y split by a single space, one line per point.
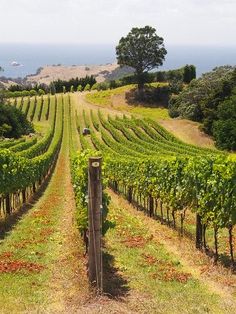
95 222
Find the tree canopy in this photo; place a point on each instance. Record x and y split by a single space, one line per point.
211 100
224 128
13 122
143 50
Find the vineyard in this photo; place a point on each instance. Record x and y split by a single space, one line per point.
169 180
26 163
183 188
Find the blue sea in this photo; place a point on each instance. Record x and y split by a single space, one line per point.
32 56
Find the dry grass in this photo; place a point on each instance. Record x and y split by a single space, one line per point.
52 73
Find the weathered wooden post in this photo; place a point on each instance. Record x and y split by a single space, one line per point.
95 222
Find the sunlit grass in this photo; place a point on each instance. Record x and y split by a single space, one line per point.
104 99
153 273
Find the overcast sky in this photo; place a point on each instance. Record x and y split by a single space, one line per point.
105 21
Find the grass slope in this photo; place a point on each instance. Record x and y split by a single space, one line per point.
145 268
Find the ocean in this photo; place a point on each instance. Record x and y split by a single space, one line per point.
32 56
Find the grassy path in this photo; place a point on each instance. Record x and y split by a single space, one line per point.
42 268
149 272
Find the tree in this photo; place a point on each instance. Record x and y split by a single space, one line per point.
4 129
13 122
33 92
224 129
72 89
79 88
189 73
41 92
52 89
143 50
87 87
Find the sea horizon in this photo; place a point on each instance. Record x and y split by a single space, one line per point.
33 56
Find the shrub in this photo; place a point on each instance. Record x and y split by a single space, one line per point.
87 87
13 122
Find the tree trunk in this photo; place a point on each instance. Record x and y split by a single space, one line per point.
168 215
173 216
115 186
8 204
231 244
204 236
130 192
151 206
161 208
216 243
198 232
24 196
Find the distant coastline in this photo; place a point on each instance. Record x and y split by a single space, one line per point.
35 57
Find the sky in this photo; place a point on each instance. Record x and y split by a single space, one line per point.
179 22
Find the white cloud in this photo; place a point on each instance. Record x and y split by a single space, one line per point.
178 21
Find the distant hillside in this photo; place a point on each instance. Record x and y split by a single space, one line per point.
5 83
51 73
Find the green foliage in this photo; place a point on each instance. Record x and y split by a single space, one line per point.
5 129
72 89
33 92
41 92
201 101
19 170
189 73
202 96
13 122
87 87
224 129
80 182
76 82
79 88
143 50
52 89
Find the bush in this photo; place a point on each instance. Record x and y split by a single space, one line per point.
41 92
13 122
87 87
224 129
200 99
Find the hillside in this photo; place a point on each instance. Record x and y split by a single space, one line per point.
52 73
117 100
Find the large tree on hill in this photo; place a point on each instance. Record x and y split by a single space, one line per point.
143 50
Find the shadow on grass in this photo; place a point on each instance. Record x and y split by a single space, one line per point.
114 285
9 222
151 98
223 258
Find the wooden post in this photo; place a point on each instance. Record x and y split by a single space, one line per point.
95 221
